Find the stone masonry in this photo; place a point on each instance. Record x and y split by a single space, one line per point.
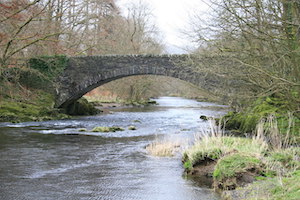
88 72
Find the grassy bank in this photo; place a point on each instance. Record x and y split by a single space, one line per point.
239 165
285 188
287 116
27 92
18 104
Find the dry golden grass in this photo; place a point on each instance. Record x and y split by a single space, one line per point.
163 148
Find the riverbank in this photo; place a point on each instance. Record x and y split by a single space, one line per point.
27 94
237 167
19 104
245 119
26 91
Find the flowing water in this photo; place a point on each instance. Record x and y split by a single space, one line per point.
54 160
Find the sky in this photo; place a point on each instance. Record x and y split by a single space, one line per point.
172 17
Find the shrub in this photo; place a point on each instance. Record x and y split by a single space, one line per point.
247 120
50 66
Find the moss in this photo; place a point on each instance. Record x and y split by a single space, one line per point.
81 107
101 129
107 129
247 120
27 95
29 78
19 103
50 66
37 108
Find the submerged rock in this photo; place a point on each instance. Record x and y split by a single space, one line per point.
132 128
105 129
185 129
81 107
152 102
137 121
203 117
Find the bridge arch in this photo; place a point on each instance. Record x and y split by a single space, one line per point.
83 74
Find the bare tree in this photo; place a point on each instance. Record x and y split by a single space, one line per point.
18 31
262 36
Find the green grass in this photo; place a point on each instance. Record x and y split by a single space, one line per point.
288 188
231 165
215 147
196 157
284 160
188 165
277 188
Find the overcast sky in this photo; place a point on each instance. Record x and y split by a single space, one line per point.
172 16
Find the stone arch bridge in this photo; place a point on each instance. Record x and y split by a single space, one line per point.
83 74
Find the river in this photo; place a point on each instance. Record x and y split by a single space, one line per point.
54 160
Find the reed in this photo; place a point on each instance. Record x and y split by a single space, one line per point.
163 148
